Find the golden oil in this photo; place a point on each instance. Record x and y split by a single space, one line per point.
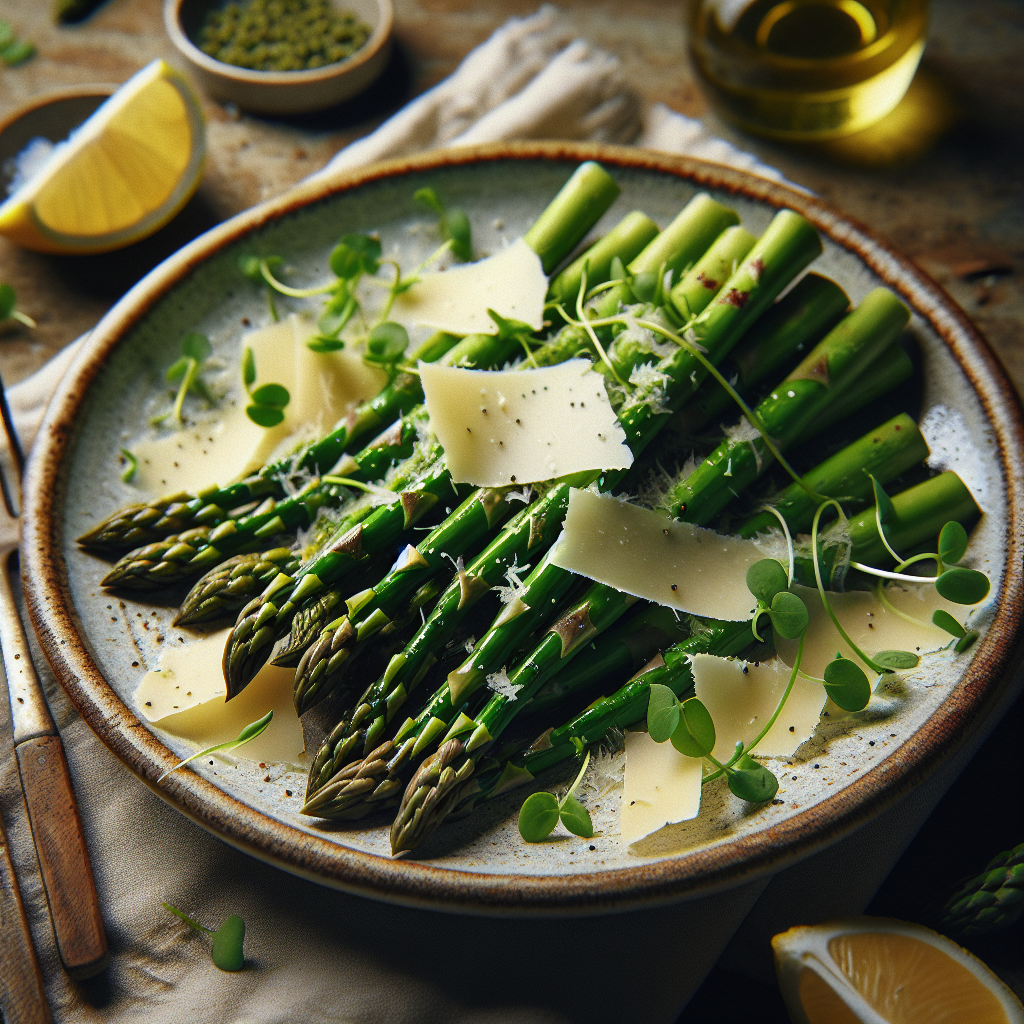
804 69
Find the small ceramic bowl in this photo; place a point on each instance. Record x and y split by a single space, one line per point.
53 116
282 92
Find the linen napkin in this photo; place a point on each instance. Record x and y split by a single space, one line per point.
318 956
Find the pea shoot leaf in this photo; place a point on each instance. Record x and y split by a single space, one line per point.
952 543
387 343
765 579
355 255
248 368
663 712
695 734
538 816
963 586
274 395
752 782
319 343
896 661
197 346
847 685
8 301
264 415
228 940
428 198
788 614
966 641
575 817
945 621
338 310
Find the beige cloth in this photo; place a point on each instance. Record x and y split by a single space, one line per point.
318 956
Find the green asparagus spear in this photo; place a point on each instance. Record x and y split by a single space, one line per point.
988 902
439 782
885 453
628 705
149 522
624 242
838 359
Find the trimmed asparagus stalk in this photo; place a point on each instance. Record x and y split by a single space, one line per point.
439 782
885 453
578 206
839 358
625 241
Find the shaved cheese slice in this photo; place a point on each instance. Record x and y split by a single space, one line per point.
651 556
323 387
512 283
184 696
520 426
870 624
661 787
742 696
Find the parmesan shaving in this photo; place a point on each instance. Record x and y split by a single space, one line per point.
323 387
660 787
184 697
646 554
500 683
741 697
502 427
512 283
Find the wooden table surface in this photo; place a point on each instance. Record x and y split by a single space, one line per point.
940 178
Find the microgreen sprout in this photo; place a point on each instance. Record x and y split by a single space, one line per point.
386 345
541 812
267 402
250 732
130 465
259 270
228 940
13 51
768 582
9 303
453 222
688 725
195 350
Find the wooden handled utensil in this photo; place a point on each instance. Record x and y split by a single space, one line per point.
45 780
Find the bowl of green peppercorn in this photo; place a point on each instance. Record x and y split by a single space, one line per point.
282 56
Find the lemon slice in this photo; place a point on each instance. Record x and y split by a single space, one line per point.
124 173
874 970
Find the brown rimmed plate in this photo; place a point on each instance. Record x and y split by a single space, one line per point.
480 865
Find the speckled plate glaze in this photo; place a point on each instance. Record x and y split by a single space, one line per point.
480 865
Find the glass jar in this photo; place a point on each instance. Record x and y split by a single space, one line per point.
804 69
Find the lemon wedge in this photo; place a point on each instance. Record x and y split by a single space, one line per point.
874 970
123 174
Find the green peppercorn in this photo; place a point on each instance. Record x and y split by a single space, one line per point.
281 35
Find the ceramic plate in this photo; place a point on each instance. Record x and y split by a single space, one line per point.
480 864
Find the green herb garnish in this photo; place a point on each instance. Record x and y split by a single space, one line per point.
250 732
228 939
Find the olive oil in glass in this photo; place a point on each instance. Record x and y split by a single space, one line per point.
804 69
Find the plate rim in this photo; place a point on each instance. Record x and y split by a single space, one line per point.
696 874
